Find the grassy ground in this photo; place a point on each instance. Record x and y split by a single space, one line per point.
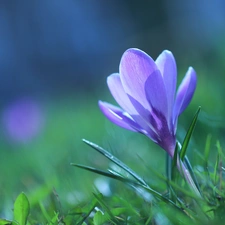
41 168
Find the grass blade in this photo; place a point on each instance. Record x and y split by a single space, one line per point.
103 204
86 211
188 135
174 170
217 169
190 169
106 174
111 157
172 173
130 182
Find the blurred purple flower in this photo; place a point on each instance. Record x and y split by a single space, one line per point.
23 120
145 90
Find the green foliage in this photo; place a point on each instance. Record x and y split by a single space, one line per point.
188 135
188 208
21 210
140 191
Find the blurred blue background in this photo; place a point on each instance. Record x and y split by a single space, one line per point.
54 60
59 47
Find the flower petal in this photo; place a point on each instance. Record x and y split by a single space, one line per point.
118 116
117 91
135 68
167 66
144 119
185 92
156 93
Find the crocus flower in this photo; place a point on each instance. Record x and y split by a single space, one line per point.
146 93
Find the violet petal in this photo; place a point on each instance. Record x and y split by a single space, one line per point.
117 91
135 68
185 92
156 93
143 119
167 66
118 116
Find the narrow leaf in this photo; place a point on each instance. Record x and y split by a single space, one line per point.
172 183
103 204
106 174
115 160
54 219
190 169
86 211
218 146
217 168
188 135
128 181
44 212
21 209
174 170
187 175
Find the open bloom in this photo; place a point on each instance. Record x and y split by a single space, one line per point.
145 90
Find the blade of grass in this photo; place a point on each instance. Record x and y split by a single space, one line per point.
102 203
220 149
220 163
85 211
190 169
216 168
128 181
134 186
119 163
111 157
174 170
206 154
187 175
174 174
44 212
188 135
172 183
106 174
117 176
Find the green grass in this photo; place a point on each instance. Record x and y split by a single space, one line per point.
57 191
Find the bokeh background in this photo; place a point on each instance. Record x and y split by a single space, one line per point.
54 59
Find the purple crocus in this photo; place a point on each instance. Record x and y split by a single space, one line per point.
146 92
23 120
